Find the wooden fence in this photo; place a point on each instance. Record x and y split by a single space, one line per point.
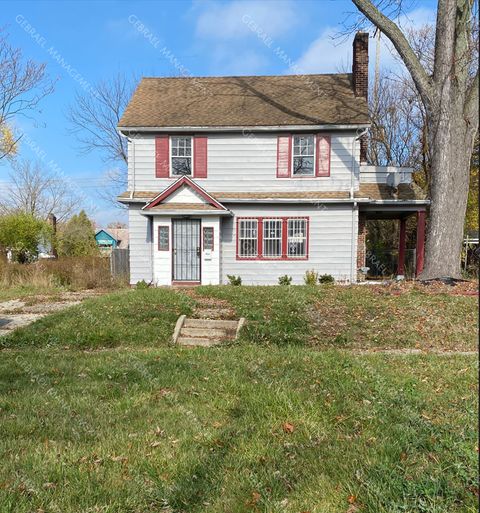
120 263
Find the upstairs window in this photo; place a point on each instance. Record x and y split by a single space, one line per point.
303 155
181 156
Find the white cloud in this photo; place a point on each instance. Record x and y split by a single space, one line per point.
232 35
417 18
230 21
230 62
327 54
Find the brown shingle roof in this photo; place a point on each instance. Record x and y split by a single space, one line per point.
285 195
371 191
381 191
245 101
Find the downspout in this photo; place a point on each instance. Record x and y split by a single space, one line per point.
133 167
353 245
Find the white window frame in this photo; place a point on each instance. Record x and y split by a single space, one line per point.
240 238
277 220
172 175
293 175
304 220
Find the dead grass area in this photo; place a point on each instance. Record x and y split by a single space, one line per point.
409 315
50 279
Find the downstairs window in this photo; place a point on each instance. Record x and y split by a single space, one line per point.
278 238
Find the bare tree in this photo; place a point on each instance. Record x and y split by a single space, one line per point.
22 85
36 191
395 136
93 120
117 225
450 98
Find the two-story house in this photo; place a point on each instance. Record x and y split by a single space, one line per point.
258 177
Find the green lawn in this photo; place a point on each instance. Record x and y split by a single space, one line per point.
99 414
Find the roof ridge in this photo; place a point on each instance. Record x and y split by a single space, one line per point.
292 75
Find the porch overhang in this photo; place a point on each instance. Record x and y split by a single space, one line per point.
392 209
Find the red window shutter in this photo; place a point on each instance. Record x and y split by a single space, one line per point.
323 155
162 157
200 157
284 150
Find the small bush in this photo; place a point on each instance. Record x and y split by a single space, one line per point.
234 280
285 280
142 285
326 278
311 277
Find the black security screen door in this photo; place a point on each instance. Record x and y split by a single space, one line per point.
186 249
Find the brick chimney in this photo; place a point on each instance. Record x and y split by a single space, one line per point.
360 78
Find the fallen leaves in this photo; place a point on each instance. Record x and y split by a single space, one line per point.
254 499
288 428
353 505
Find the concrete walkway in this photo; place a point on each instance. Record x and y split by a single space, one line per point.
17 313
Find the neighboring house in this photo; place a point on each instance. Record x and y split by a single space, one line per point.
114 238
257 177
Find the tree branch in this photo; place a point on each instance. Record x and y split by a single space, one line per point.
399 41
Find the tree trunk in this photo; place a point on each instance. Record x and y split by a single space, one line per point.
450 97
451 143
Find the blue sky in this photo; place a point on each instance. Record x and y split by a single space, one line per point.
101 38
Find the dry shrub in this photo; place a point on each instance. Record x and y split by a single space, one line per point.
23 275
69 272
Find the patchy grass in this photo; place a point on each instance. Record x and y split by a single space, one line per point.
236 429
322 317
276 314
364 317
355 317
99 414
127 318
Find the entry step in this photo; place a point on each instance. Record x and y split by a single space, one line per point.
205 332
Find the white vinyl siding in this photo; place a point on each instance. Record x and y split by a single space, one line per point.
330 244
140 235
247 163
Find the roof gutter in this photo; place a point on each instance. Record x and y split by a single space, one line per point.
300 200
234 128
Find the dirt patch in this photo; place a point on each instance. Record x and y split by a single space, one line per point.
17 313
210 307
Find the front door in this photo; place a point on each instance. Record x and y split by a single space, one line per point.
186 250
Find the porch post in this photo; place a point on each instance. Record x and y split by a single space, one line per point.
420 241
401 247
